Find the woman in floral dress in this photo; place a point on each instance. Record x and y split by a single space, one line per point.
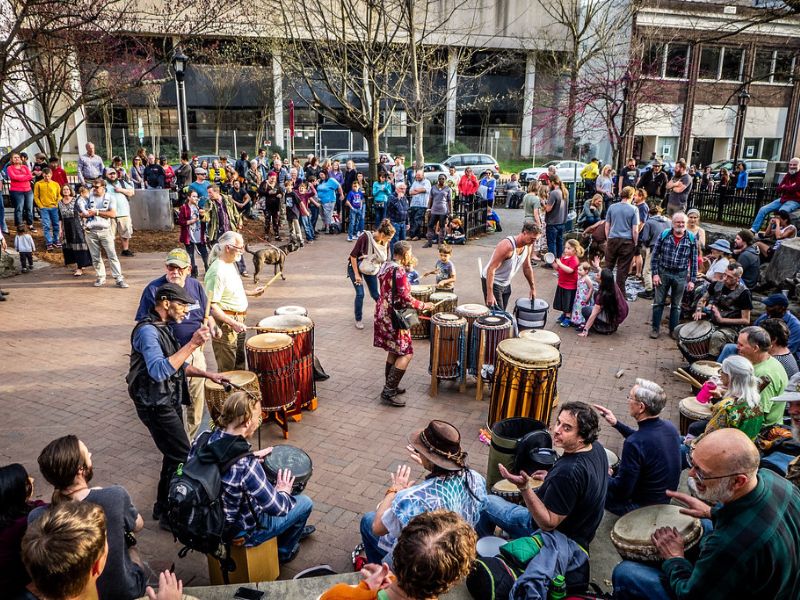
397 342
73 242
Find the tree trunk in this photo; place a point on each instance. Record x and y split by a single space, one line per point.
373 145
569 126
419 133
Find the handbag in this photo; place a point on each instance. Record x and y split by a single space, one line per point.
375 257
402 318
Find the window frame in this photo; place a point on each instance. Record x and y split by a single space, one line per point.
664 53
773 60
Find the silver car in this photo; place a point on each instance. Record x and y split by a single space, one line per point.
478 162
433 170
567 171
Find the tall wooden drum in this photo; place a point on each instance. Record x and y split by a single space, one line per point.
632 533
270 357
471 312
525 377
448 349
446 302
423 294
216 393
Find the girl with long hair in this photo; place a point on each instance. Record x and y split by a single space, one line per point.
610 307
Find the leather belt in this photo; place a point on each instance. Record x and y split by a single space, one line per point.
234 313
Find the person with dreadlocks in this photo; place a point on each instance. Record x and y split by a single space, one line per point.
450 484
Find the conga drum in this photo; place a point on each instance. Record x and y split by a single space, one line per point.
422 293
487 332
543 336
525 378
301 330
471 312
291 310
694 339
216 394
508 491
270 357
691 410
632 533
613 460
446 302
448 348
284 456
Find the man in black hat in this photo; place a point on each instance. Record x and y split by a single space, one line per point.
157 380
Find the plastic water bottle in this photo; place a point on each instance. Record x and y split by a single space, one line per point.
558 588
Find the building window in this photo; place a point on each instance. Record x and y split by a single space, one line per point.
398 122
771 149
709 62
653 60
666 61
774 66
721 63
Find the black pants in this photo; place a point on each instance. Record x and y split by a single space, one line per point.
501 293
165 424
442 221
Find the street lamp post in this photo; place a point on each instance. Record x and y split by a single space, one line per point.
623 137
738 130
179 62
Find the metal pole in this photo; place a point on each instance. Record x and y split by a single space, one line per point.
185 117
235 147
125 147
180 116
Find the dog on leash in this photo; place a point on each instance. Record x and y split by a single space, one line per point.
270 255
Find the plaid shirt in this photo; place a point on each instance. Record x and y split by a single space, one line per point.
246 493
667 255
754 549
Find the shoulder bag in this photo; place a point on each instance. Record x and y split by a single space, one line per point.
402 318
371 263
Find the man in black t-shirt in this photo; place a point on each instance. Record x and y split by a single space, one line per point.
628 176
570 498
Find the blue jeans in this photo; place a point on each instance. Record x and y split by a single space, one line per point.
399 235
727 350
23 207
372 284
356 222
308 228
638 581
788 206
287 528
511 518
3 224
314 210
50 221
380 213
416 216
672 283
555 239
375 554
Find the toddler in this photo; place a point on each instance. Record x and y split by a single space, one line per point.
411 272
445 270
23 244
567 267
583 295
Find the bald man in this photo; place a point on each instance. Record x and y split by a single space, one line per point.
754 547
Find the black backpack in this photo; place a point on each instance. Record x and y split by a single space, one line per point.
195 511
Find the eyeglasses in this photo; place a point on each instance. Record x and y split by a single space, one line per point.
171 267
702 478
237 248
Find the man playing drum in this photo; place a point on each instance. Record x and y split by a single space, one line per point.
754 548
157 380
509 255
651 457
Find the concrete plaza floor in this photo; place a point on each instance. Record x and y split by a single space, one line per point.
65 353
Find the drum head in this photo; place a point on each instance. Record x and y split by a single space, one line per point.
240 378
291 310
543 336
422 290
528 352
635 528
439 296
284 323
289 457
448 318
694 409
706 368
493 321
506 487
472 310
612 457
269 341
695 330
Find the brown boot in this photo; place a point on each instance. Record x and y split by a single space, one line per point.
386 376
389 394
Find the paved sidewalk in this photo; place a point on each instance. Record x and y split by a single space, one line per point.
65 357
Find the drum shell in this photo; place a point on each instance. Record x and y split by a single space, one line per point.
506 435
423 294
471 312
275 370
448 300
638 546
216 395
301 330
691 411
531 314
450 331
493 329
695 339
273 462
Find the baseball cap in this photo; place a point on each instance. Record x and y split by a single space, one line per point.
200 171
776 300
174 292
792 391
178 257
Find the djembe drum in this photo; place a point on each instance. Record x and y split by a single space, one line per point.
270 357
444 302
508 491
524 384
694 339
471 312
613 460
632 533
448 349
291 310
487 333
543 336
690 411
216 394
422 293
703 370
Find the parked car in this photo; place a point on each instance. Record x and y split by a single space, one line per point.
478 162
567 170
433 170
360 159
756 167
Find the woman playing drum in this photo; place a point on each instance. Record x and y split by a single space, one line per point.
364 263
395 294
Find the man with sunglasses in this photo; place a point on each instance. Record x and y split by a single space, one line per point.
753 550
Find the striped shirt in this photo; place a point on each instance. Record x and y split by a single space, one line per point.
671 256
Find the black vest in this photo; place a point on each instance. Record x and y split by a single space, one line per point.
143 389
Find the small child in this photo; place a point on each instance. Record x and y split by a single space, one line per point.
292 202
492 220
23 243
355 202
445 270
411 271
567 267
584 296
455 233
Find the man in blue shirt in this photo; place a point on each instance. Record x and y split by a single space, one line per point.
157 380
200 186
651 458
777 306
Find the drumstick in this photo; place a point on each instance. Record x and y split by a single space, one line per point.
681 377
229 384
274 277
693 381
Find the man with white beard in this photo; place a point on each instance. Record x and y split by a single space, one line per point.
751 546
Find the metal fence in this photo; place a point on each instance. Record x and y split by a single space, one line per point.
731 207
470 209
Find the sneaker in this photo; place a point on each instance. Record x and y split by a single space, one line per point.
49 247
359 325
307 531
58 245
121 284
349 238
566 323
127 253
647 294
654 333
291 556
99 282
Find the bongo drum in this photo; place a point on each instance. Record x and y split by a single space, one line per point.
487 332
525 377
446 301
632 533
270 357
695 338
448 348
291 310
216 394
613 460
471 312
422 293
508 491
284 456
543 336
691 410
301 330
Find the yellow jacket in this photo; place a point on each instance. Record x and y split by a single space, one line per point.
46 194
590 171
214 173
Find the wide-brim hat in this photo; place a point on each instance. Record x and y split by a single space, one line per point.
722 245
440 443
792 391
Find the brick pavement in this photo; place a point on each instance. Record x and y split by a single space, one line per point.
65 356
